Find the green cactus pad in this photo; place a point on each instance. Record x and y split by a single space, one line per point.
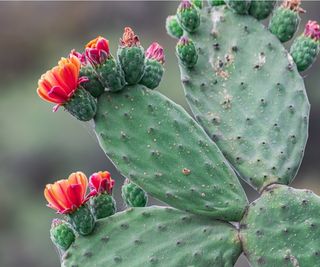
153 72
189 18
112 75
261 9
93 86
197 3
247 94
186 52
304 52
102 205
173 27
156 236
284 23
82 105
239 6
158 146
61 234
133 195
216 2
282 228
132 63
82 220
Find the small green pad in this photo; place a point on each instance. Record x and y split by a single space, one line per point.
282 228
247 94
158 146
156 236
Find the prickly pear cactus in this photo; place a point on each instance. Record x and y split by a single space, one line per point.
255 112
156 236
277 225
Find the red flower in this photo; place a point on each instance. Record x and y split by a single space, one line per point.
65 196
81 57
59 84
129 38
312 30
97 50
155 51
100 182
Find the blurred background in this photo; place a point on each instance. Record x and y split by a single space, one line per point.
38 146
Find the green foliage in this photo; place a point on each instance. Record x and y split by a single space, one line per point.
156 236
158 146
281 228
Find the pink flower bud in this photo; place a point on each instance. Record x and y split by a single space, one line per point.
312 30
155 51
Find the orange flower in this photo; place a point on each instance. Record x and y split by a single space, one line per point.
59 84
97 50
129 38
65 196
101 182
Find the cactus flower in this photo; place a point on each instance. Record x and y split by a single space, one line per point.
155 51
294 5
66 195
131 56
59 84
100 182
312 30
80 56
185 4
97 51
129 38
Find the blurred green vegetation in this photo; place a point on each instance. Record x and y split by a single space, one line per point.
38 146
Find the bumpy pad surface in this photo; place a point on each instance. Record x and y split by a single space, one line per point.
282 228
158 146
249 97
156 236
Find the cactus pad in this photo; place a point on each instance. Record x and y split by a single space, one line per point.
282 228
284 23
156 236
261 9
247 94
133 195
102 205
158 146
82 105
